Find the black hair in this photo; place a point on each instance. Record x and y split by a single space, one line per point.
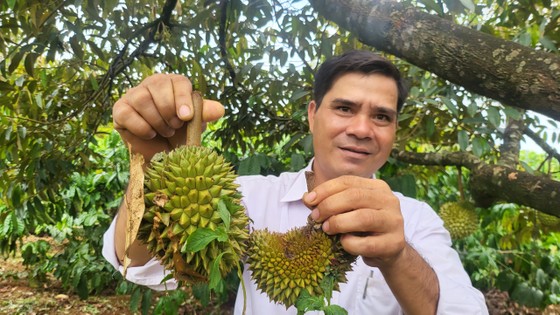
357 61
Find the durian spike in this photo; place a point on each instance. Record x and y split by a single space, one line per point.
194 126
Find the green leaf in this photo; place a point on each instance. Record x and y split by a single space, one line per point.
527 295
15 61
11 3
29 63
146 301
306 302
335 310
463 139
216 280
76 47
541 278
135 298
430 126
224 213
201 292
494 116
327 285
199 239
222 234
452 107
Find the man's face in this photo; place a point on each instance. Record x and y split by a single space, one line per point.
355 126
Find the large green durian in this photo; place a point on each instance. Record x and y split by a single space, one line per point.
459 218
188 189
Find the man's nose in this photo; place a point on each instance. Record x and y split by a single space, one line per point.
360 126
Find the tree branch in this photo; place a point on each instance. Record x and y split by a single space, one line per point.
442 159
502 70
541 143
494 183
509 150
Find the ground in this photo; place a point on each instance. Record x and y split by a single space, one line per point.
19 295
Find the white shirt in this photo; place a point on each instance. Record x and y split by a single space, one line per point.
275 203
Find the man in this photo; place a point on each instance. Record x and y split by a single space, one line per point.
405 264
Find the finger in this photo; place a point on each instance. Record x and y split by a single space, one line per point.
161 90
366 221
182 93
126 118
333 186
376 247
212 110
141 101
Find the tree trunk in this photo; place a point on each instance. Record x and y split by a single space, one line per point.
502 70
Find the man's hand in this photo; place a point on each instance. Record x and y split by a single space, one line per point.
368 216
366 213
151 116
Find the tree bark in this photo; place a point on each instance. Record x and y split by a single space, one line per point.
494 183
502 70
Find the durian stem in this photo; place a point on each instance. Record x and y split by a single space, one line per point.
242 280
194 127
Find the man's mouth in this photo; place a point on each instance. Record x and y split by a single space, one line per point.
357 150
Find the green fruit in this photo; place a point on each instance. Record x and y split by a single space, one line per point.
459 218
284 264
188 190
547 219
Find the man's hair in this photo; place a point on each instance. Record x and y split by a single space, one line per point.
356 61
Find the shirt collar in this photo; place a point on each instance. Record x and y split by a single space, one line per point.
299 186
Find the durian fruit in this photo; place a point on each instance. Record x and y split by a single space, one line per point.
547 220
187 190
284 264
459 218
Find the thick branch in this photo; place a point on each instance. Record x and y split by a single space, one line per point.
492 183
503 70
442 159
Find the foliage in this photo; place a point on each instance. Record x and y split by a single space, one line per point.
513 254
88 207
64 63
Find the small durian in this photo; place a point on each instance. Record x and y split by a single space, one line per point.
190 189
459 218
547 220
283 265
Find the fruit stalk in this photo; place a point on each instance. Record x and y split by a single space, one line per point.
194 126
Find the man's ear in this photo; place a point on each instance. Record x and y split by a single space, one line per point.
311 109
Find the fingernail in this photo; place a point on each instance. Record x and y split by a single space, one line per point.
325 226
184 112
310 196
315 214
176 122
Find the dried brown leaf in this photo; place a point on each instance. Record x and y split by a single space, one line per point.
134 200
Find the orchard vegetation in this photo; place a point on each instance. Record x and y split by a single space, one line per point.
484 77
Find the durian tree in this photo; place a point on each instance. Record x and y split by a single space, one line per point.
479 71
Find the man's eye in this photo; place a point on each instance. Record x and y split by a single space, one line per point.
343 108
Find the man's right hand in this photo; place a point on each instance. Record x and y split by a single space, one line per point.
151 116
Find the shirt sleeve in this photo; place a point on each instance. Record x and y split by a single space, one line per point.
151 274
432 241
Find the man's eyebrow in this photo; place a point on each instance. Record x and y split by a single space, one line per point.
385 110
378 109
343 101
